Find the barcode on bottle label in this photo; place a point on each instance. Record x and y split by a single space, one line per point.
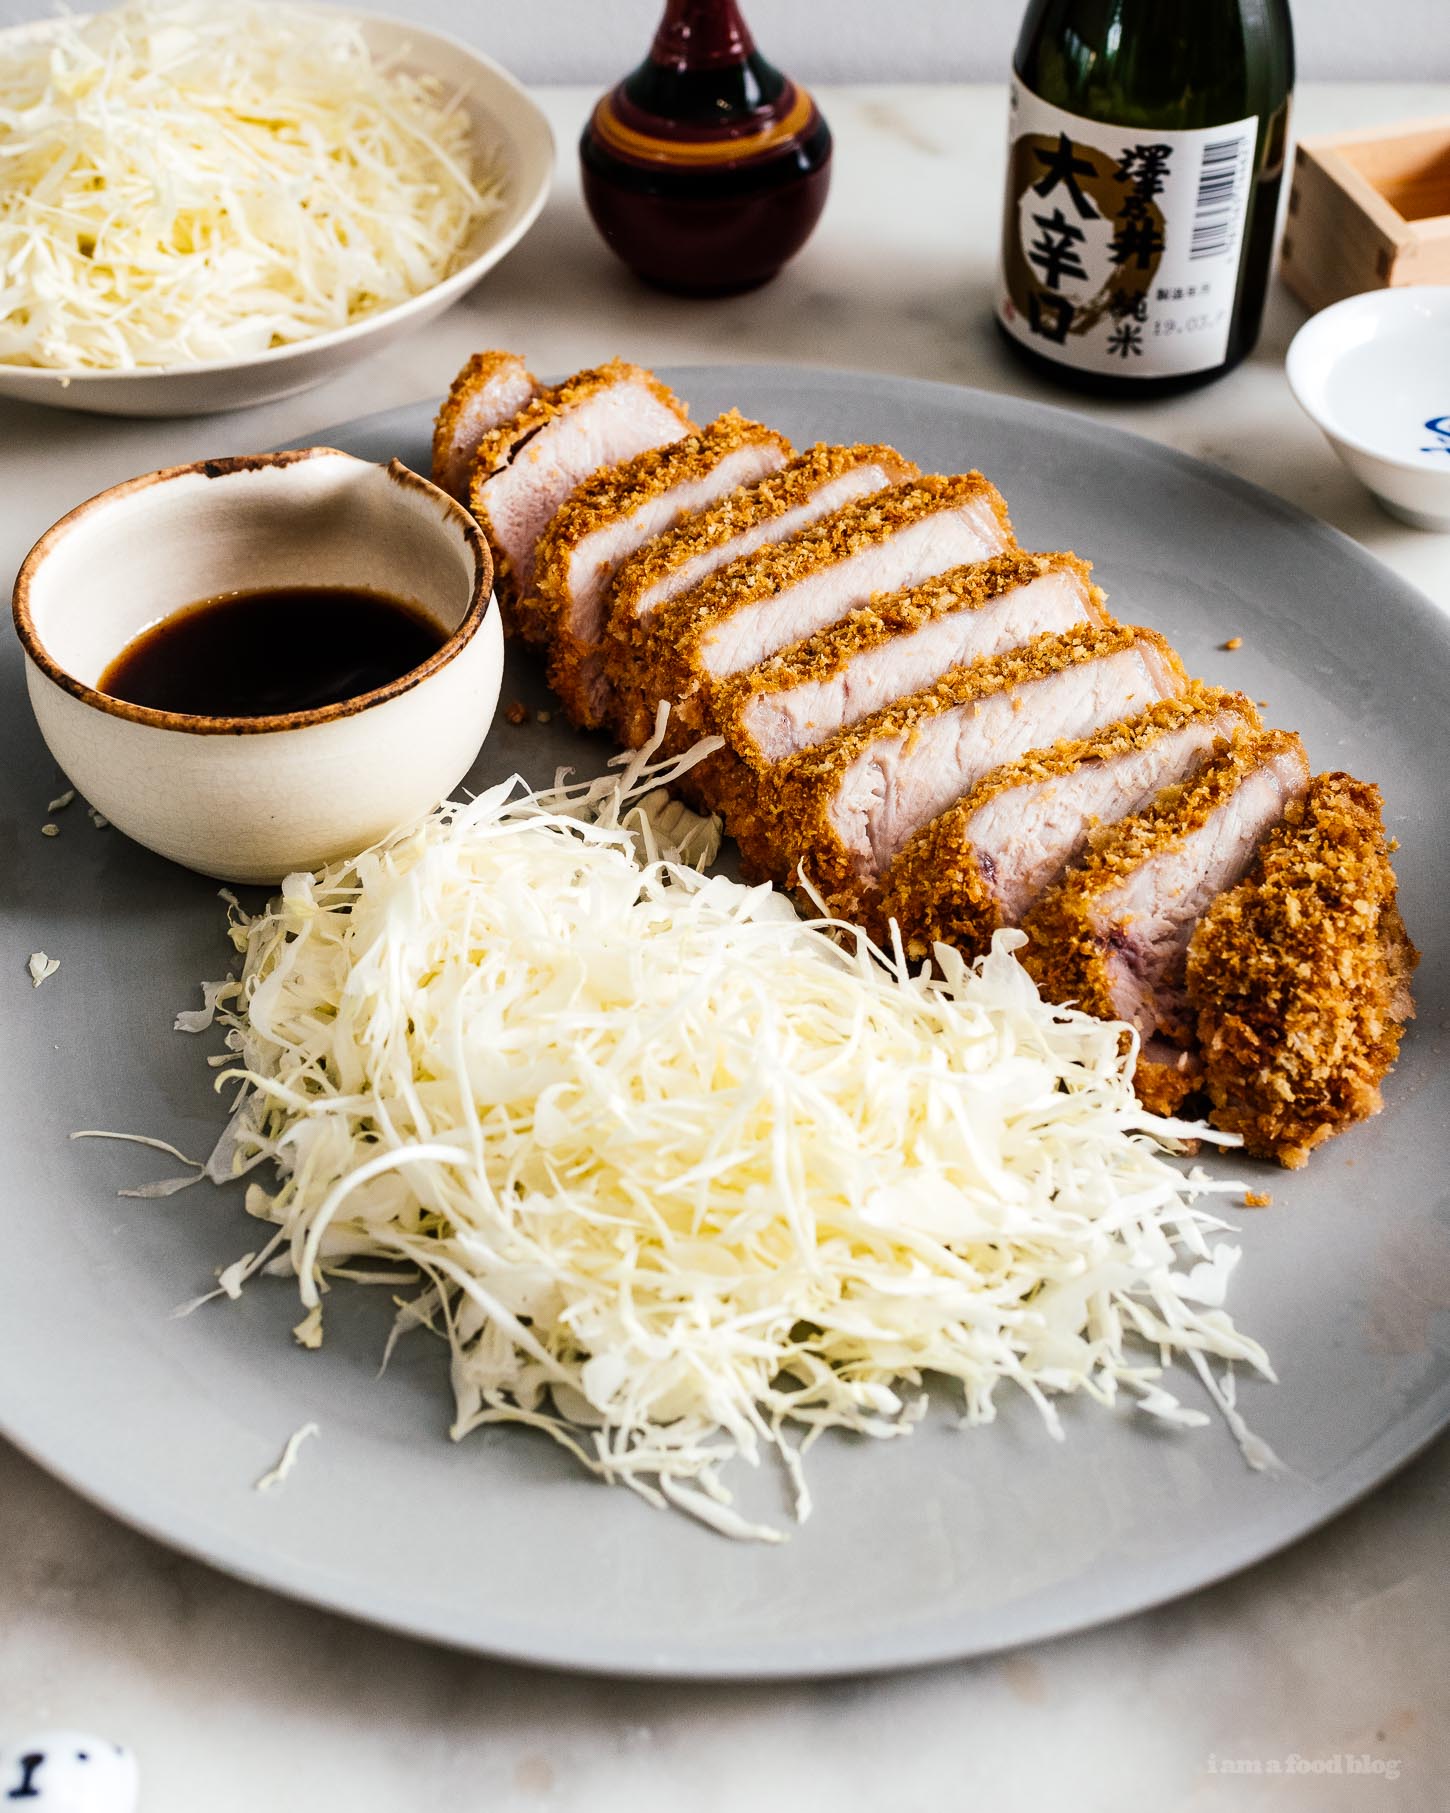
1121 244
1220 202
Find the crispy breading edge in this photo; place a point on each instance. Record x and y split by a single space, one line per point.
664 660
480 371
1065 955
934 889
768 498
889 614
495 451
614 493
626 648
1300 977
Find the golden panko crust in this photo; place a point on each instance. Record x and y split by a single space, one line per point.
664 659
1300 977
794 818
610 496
1164 1084
889 614
934 889
497 450
794 485
1067 952
476 375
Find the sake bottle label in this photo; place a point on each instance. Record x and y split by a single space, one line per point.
1121 244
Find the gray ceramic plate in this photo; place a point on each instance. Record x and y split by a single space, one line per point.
947 1544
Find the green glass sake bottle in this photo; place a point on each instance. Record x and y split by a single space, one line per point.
1146 147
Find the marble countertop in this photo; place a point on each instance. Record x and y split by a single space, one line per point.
1314 1681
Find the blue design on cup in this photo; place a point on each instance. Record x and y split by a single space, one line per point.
1440 425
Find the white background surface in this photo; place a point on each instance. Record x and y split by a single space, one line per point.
241 1703
876 40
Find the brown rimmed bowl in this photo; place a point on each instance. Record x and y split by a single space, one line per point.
252 799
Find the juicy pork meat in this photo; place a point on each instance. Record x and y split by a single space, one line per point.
841 812
1113 935
982 863
822 479
490 390
615 513
525 469
764 602
1298 979
899 643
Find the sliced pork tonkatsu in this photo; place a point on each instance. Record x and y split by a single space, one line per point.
899 643
524 469
490 390
613 514
822 479
983 862
1298 978
842 811
938 735
760 604
1113 935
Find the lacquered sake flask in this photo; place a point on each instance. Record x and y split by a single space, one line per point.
706 168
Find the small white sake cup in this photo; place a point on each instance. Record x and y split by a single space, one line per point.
1373 372
252 799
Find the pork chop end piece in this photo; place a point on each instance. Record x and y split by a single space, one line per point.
490 390
1299 977
525 470
981 864
1114 933
900 643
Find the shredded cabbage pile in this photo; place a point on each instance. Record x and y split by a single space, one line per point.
687 1178
182 181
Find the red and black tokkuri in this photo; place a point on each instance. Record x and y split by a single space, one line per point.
706 169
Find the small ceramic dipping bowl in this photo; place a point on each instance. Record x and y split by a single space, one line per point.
1374 372
252 799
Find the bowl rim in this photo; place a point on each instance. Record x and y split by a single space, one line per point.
445 290
1365 302
481 599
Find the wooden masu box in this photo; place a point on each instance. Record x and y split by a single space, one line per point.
1368 210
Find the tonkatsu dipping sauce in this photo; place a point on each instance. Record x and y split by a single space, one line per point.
262 654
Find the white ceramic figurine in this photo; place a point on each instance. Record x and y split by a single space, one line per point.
67 1772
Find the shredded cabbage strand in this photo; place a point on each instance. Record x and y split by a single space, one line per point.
184 182
688 1178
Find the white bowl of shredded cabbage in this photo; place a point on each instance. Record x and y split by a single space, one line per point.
206 207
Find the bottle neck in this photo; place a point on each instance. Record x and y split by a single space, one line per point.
701 34
703 70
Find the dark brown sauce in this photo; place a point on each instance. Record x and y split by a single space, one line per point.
260 654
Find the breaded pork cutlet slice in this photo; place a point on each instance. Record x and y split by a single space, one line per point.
763 602
1113 935
897 644
842 811
490 390
525 468
1299 978
815 483
982 863
612 515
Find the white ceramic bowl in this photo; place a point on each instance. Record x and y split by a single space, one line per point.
509 129
251 799
1374 372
